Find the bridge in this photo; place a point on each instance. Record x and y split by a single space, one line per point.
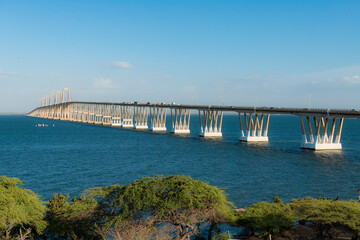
321 128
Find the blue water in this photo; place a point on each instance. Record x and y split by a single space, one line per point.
71 157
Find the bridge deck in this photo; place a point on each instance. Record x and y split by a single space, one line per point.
346 113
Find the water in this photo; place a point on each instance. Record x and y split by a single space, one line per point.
71 157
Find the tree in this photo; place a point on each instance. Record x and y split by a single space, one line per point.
266 218
326 215
21 210
177 200
74 220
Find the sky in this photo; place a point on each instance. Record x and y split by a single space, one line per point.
241 52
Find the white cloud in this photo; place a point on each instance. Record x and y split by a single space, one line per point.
104 83
120 64
352 80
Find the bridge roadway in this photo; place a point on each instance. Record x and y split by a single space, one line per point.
321 128
346 113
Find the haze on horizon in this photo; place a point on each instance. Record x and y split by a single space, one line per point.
265 53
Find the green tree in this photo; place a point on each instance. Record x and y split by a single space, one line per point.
21 210
177 200
71 220
266 218
326 215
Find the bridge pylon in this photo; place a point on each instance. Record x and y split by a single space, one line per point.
157 119
180 120
116 120
324 136
127 113
211 127
140 117
254 130
107 115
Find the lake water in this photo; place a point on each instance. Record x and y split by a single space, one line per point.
71 157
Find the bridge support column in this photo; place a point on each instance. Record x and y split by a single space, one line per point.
64 112
211 127
254 130
324 138
157 119
98 114
75 112
127 117
116 119
180 121
140 117
71 112
85 111
106 119
91 114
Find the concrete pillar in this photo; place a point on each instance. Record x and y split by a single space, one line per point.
116 118
256 127
157 119
324 136
140 117
211 126
180 121
128 116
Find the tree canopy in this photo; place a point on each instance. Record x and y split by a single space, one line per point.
266 218
74 219
20 210
325 214
178 200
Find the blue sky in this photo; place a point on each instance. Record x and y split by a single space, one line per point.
265 53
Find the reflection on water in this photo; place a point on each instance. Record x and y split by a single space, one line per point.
71 157
331 157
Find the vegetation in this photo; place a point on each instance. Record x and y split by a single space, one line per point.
181 202
73 220
21 211
162 207
266 218
326 215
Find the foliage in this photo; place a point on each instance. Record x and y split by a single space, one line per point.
74 220
20 209
325 214
178 200
221 236
266 218
137 229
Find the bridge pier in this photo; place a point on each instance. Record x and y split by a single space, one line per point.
254 131
98 115
180 121
91 116
211 127
127 117
116 116
140 117
106 119
71 107
74 112
157 119
324 138
85 116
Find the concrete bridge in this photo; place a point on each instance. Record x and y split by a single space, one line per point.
321 128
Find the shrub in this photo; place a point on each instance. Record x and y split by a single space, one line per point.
266 218
325 214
